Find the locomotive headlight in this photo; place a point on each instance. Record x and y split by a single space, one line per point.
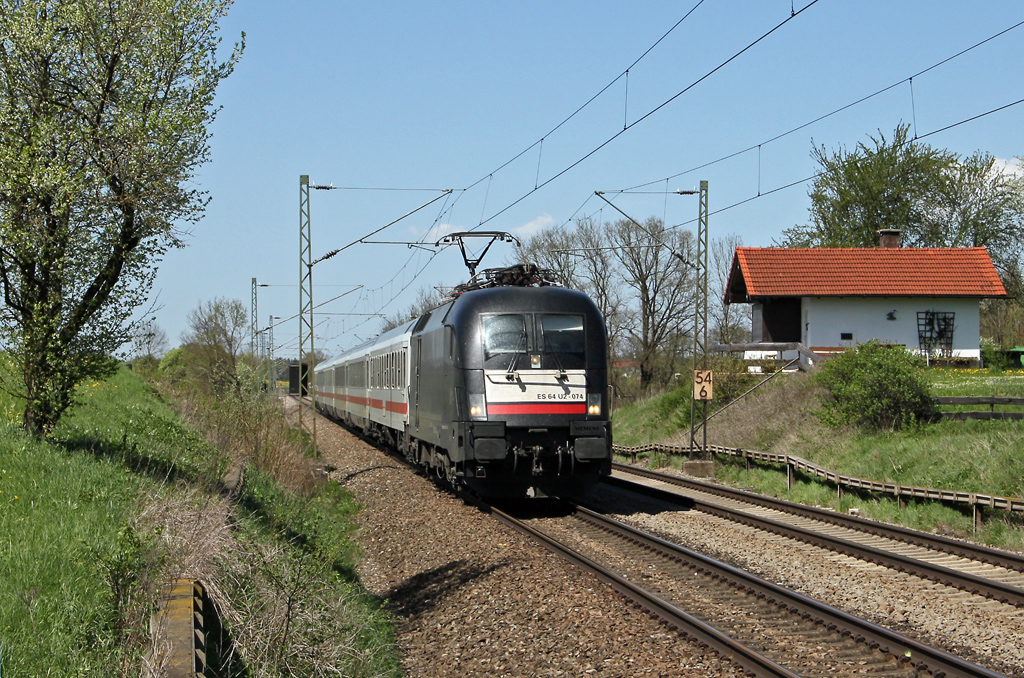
594 404
477 406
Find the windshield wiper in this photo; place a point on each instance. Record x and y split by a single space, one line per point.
521 344
554 354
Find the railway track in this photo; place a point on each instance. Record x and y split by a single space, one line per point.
762 627
979 570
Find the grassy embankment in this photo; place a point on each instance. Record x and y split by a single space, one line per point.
975 456
122 497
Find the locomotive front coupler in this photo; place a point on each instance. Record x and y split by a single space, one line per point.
538 468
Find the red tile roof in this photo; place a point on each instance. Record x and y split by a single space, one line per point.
862 271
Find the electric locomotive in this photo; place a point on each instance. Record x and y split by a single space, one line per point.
503 390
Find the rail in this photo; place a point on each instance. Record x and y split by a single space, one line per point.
991 401
752 662
977 500
926 569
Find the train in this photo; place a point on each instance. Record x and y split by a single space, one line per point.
502 391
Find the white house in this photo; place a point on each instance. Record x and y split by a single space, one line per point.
925 299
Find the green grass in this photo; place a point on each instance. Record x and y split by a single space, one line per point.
78 579
70 562
125 419
652 419
973 456
317 567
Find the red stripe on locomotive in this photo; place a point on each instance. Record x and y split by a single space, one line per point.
537 408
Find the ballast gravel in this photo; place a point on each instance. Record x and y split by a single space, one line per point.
472 597
983 631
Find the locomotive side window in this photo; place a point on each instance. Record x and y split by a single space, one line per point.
504 337
562 337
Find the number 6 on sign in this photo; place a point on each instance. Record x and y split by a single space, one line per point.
702 385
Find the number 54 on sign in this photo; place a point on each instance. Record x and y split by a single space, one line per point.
702 389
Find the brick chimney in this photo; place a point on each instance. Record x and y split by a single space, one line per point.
889 237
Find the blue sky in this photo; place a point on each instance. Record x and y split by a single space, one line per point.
440 95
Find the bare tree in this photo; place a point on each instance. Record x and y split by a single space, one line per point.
598 275
216 334
657 264
730 322
149 341
582 259
555 249
427 299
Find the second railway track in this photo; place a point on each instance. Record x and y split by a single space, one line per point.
765 628
979 570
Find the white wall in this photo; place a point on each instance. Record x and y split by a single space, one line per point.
824 319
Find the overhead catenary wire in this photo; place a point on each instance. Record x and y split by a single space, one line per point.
883 90
449 207
627 125
817 174
802 181
588 101
643 228
450 204
332 253
651 112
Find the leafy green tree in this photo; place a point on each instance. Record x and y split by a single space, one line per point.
888 184
981 205
104 111
936 197
875 387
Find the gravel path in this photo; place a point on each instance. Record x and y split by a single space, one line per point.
474 598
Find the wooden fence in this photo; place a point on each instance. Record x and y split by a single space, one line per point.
991 401
976 500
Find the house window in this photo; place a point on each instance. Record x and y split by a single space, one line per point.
935 332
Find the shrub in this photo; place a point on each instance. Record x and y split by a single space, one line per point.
173 367
874 387
992 355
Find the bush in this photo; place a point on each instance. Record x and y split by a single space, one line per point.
992 355
875 387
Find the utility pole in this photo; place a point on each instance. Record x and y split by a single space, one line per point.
253 329
700 322
271 372
305 285
312 355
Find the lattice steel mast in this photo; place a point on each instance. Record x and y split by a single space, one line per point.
253 325
700 321
305 286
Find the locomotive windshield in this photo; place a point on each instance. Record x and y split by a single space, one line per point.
504 336
562 337
558 338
